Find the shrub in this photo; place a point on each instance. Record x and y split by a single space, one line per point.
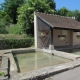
14 29
16 43
3 27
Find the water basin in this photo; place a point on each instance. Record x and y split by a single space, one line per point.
36 60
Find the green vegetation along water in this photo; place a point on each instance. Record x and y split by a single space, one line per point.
36 60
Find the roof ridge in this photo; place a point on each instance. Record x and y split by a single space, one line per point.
54 15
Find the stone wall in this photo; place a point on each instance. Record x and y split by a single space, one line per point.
5 68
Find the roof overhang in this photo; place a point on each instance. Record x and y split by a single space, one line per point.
75 30
55 27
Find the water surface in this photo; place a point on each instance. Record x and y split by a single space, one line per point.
37 60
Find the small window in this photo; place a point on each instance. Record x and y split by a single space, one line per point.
64 32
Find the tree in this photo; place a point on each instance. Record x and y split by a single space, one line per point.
77 14
4 21
51 3
10 7
63 11
70 14
25 18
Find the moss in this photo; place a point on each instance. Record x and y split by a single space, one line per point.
2 73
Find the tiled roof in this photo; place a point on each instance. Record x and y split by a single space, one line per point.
57 21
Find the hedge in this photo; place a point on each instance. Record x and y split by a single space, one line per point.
16 43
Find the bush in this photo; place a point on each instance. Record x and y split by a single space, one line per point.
3 27
14 29
4 22
16 43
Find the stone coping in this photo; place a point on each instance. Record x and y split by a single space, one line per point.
4 68
62 54
55 52
49 70
13 66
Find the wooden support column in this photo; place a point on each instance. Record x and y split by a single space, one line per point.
51 46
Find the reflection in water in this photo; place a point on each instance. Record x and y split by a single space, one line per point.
38 60
35 61
17 63
50 60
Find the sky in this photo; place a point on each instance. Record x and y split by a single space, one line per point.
69 4
1 1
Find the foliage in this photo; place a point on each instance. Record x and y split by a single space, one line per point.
25 18
14 29
4 21
77 14
65 12
52 4
4 17
2 28
16 43
10 7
